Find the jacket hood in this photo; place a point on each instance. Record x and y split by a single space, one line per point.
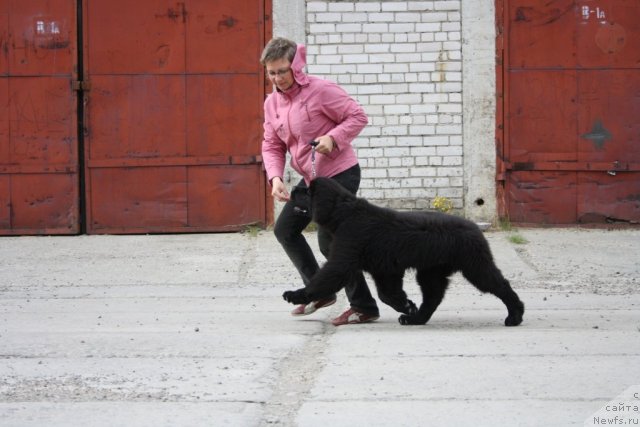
298 64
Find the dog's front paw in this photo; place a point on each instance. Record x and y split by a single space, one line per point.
296 297
513 319
406 319
410 309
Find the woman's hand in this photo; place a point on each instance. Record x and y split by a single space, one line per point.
279 190
325 144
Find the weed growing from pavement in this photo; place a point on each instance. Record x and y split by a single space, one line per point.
505 224
252 230
517 239
514 237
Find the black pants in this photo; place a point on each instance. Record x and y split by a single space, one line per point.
288 231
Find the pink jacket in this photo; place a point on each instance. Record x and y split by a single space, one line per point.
312 107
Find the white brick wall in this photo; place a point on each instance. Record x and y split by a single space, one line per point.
402 61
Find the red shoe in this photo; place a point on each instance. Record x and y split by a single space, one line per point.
351 316
305 310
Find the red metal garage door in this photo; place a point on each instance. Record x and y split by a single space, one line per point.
38 118
173 115
571 147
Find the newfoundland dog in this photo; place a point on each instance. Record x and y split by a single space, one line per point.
385 243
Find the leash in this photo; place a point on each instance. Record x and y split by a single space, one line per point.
313 157
301 194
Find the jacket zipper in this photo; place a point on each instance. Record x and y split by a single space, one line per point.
297 142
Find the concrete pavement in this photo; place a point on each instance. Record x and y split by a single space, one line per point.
190 330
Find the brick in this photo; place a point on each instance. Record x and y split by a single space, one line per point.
381 17
354 17
375 28
423 172
377 48
402 28
316 6
408 17
434 17
396 68
450 171
374 173
398 173
370 68
394 130
420 5
397 109
410 141
449 129
368 7
422 151
355 59
396 152
349 28
421 130
382 142
436 182
328 17
447 5
394 6
370 89
341 7
449 151
382 99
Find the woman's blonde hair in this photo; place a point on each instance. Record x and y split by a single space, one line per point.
278 48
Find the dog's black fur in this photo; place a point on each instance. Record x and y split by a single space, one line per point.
385 243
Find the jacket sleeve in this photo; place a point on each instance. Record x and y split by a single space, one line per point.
274 151
348 115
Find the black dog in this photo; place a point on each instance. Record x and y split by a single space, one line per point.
385 243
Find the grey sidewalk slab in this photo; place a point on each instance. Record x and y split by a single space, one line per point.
191 330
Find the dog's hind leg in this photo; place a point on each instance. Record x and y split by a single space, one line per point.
433 283
490 279
391 293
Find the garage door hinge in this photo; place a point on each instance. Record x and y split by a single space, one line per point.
79 85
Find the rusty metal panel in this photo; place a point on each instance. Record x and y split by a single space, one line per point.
609 119
542 197
41 37
42 122
219 120
607 197
38 118
135 37
535 134
223 36
136 116
571 132
44 203
224 196
174 115
540 34
608 34
139 199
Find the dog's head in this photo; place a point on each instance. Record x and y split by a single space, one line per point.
330 202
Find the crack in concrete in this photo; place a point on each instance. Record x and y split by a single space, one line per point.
297 374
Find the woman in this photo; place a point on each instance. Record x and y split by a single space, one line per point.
302 109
